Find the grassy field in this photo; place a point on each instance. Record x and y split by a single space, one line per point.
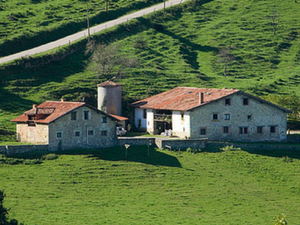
101 187
179 49
29 23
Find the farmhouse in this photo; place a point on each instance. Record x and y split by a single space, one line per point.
216 114
64 125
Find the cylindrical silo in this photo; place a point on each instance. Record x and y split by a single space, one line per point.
110 97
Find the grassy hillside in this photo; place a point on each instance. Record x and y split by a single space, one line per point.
230 187
180 48
28 23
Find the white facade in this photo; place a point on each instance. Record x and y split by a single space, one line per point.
181 123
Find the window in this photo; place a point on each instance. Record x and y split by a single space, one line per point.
182 116
249 117
86 115
243 130
77 133
73 115
59 135
145 113
259 130
245 101
227 101
227 117
104 119
225 130
90 132
215 116
203 131
273 129
104 133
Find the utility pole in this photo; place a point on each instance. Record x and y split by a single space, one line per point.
164 7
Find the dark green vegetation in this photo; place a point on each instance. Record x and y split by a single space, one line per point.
4 213
99 186
178 49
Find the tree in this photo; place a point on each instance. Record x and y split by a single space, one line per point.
274 21
225 58
108 61
4 213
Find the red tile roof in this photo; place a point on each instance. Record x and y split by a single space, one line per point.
119 118
187 98
51 111
183 98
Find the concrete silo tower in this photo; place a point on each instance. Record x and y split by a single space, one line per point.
110 97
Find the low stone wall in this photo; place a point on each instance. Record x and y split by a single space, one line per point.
17 149
135 141
181 144
262 146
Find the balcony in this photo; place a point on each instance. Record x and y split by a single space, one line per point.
163 118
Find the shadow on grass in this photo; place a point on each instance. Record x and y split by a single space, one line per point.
278 153
134 154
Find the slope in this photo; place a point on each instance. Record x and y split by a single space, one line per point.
180 48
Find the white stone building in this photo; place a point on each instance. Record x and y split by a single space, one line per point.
216 114
64 125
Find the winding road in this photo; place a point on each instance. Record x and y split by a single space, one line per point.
83 34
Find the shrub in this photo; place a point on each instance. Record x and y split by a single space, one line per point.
280 220
192 150
51 156
230 148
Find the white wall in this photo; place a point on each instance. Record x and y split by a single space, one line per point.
139 116
181 126
150 122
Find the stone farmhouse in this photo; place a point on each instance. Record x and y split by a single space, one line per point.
216 114
65 125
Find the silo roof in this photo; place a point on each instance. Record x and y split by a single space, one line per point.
108 84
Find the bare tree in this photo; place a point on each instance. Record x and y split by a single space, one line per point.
274 21
108 61
225 57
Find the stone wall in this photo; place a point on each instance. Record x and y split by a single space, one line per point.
262 146
181 144
17 149
135 141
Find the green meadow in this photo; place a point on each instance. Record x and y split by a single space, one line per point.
28 23
214 186
179 48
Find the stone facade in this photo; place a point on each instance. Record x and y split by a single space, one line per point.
37 134
65 133
214 114
66 125
254 121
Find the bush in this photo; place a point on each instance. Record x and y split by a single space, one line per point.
280 220
4 213
193 151
51 156
230 148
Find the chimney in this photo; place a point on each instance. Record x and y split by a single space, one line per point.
201 98
63 100
34 106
